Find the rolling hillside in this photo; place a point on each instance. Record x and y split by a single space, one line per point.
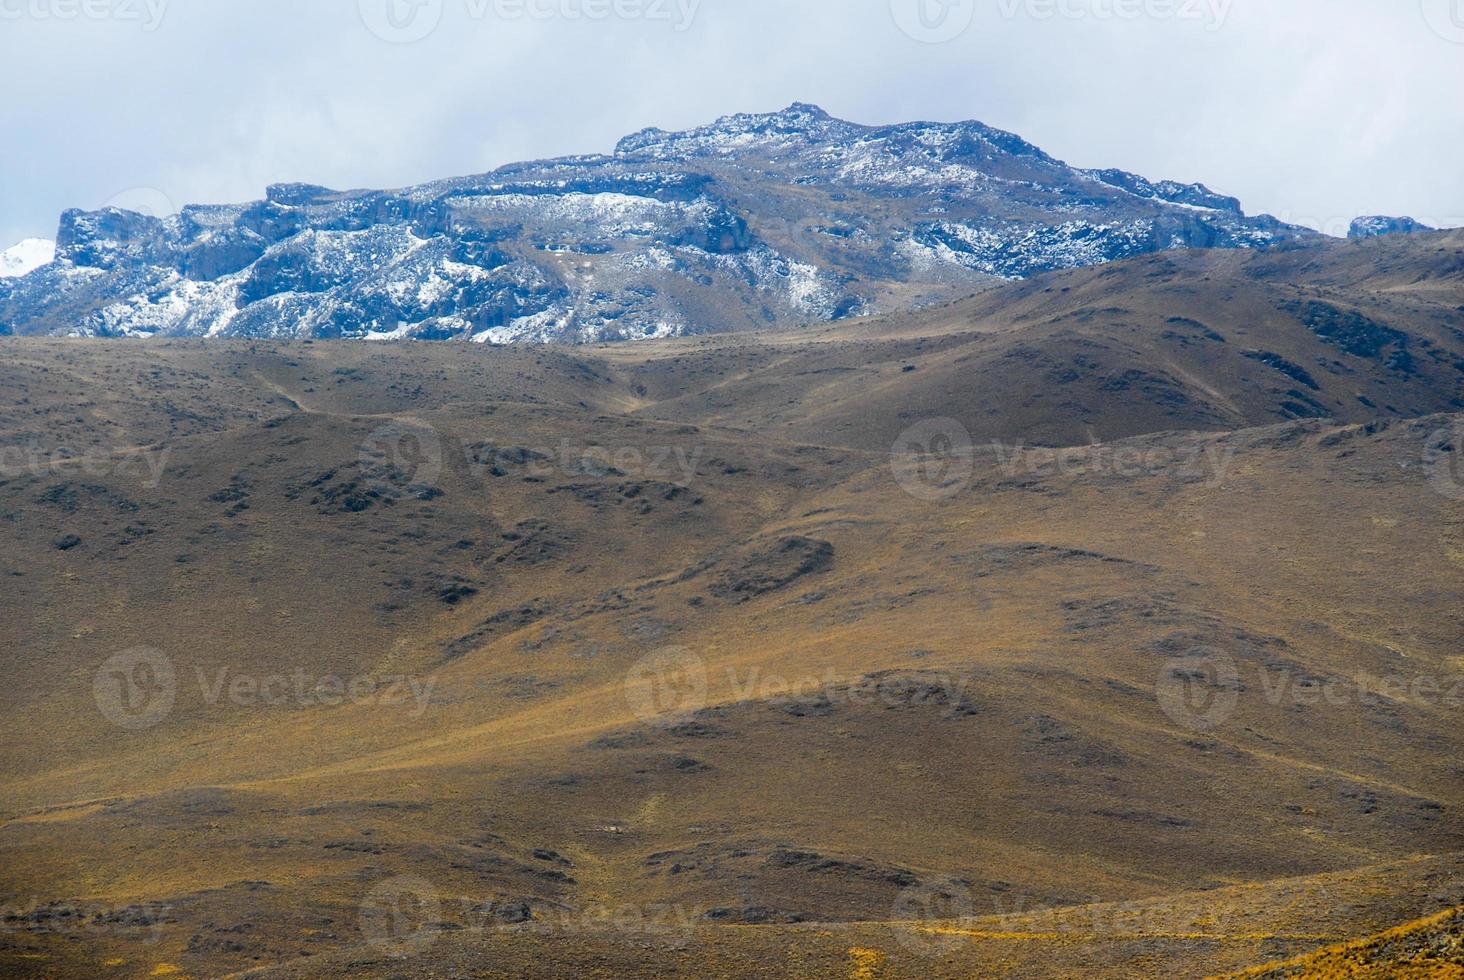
805 649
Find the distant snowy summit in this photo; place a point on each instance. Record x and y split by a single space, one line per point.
1376 226
753 221
26 256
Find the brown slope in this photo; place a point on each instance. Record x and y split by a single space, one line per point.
900 691
1057 640
1194 340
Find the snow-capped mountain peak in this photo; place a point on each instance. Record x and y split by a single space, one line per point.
754 220
26 256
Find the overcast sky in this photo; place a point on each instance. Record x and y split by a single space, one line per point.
1313 110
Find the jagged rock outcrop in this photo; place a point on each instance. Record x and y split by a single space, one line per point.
752 221
1375 226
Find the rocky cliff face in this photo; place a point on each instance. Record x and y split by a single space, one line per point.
753 221
1376 226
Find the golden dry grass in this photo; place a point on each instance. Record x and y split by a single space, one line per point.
930 735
